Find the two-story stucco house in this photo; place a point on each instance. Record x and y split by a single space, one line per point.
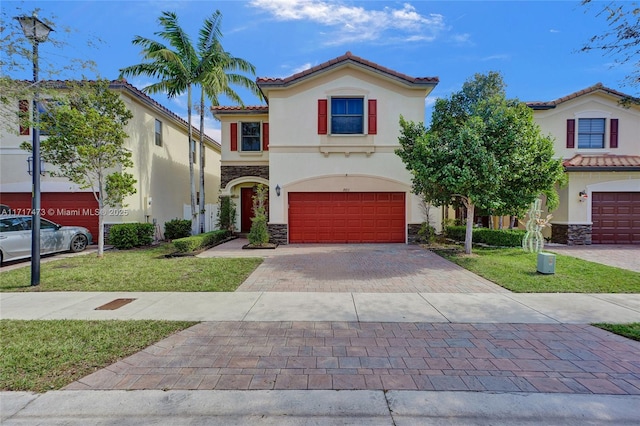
325 147
599 140
158 142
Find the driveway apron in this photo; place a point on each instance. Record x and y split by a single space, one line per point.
341 355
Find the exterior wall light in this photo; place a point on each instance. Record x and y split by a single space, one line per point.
582 196
278 190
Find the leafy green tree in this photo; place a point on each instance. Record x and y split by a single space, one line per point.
481 149
86 142
621 40
16 61
216 71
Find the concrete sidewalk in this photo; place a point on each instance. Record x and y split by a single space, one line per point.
281 306
315 408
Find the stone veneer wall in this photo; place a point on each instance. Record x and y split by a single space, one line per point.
229 173
572 235
412 233
278 233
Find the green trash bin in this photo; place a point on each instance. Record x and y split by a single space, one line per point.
546 263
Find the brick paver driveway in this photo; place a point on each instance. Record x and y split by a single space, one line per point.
390 356
375 355
358 268
625 256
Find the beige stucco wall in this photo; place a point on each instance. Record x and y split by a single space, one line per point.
302 160
592 105
162 173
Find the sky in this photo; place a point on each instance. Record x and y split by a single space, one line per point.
533 44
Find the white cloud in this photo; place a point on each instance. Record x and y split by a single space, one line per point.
301 68
357 23
497 57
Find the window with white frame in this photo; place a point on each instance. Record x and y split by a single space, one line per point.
591 133
347 116
250 136
158 133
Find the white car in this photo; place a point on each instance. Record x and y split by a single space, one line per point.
15 237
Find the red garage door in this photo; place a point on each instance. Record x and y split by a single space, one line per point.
615 217
346 217
65 208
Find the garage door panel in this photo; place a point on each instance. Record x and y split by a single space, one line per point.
347 217
65 208
615 217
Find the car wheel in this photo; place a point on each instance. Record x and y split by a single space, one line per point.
78 243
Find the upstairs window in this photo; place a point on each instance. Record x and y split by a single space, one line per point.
158 133
591 133
250 137
347 116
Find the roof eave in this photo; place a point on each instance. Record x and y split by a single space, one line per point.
569 169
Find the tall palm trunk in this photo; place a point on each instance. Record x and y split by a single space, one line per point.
192 183
202 155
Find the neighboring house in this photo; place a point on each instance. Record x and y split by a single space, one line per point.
158 141
599 140
325 147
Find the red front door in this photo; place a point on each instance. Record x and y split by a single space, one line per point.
246 208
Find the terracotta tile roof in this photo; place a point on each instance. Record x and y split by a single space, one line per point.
256 109
596 87
345 59
146 99
602 162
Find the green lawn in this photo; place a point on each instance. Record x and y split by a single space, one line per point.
515 270
134 270
39 356
631 331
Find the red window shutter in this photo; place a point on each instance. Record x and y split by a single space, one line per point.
373 117
322 116
23 115
613 136
571 133
265 136
234 136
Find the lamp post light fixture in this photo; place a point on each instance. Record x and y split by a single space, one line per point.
30 166
37 32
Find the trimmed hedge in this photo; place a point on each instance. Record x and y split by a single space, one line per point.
200 241
492 237
129 235
177 228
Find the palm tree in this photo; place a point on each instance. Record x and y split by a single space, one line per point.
176 71
215 75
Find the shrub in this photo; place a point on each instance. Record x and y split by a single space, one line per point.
200 241
177 228
499 237
456 233
128 235
226 214
259 233
426 233
492 237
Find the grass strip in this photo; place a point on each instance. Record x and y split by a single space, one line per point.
516 270
631 330
39 356
145 269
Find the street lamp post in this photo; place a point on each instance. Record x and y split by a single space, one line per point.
37 32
